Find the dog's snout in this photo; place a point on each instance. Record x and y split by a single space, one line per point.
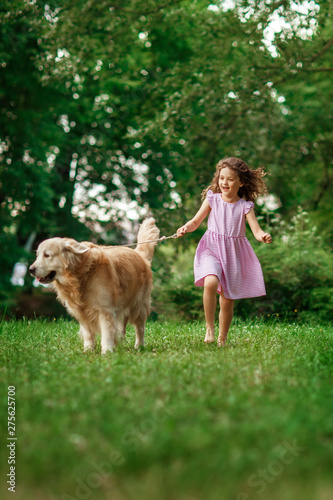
32 270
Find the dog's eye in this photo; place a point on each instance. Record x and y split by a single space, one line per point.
47 255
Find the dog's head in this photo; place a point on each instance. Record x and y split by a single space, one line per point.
54 256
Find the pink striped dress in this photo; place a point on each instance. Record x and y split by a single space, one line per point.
225 251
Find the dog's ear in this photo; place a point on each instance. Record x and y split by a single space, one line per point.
75 247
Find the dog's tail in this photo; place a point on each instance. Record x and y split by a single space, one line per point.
148 232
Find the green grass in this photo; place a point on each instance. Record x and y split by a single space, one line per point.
179 420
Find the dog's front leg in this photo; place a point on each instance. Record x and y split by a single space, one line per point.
88 338
108 332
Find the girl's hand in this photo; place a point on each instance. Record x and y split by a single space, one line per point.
181 231
266 238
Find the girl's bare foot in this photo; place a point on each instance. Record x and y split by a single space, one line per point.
221 340
209 338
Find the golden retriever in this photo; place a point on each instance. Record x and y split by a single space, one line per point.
103 287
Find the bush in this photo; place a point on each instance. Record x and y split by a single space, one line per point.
298 270
174 293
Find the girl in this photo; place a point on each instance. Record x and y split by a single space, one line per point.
225 261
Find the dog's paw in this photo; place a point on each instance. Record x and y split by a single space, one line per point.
89 349
107 349
139 347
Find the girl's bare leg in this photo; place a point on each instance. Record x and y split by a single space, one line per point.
209 300
225 318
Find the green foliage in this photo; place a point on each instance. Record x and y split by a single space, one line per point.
174 294
298 271
177 420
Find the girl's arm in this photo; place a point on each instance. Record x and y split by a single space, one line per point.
194 223
258 233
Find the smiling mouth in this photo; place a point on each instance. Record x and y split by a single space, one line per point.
48 278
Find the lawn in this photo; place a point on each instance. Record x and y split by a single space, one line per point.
177 420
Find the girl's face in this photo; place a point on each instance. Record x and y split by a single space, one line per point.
229 184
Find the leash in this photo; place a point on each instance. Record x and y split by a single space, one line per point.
151 241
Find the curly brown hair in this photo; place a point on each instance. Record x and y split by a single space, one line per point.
252 180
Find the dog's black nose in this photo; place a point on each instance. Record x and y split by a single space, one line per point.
32 270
